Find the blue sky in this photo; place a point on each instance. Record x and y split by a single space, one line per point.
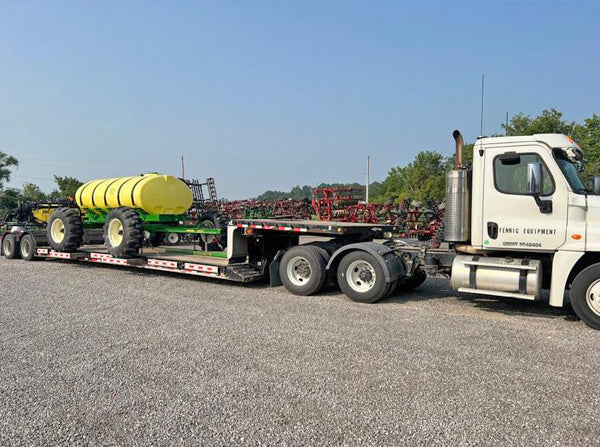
270 94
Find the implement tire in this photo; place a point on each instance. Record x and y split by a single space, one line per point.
10 247
28 248
123 234
303 270
64 230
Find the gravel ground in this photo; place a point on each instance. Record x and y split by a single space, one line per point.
108 356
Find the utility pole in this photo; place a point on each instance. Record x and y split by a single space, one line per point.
506 127
368 179
182 168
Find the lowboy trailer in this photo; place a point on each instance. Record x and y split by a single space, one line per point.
518 220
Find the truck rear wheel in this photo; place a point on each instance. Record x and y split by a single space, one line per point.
65 229
585 295
123 235
361 278
28 247
303 270
10 247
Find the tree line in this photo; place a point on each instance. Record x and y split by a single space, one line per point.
422 178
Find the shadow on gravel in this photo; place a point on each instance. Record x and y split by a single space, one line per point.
438 288
433 288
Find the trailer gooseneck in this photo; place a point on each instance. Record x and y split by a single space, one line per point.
518 220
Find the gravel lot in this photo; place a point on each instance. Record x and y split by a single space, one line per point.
102 355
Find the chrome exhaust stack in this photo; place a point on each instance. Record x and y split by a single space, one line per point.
458 197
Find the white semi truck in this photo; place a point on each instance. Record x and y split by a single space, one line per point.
518 220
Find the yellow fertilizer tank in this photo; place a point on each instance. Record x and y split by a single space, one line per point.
153 193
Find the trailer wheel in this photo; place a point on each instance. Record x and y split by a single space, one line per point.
65 229
123 235
418 277
303 270
172 238
28 247
10 247
361 278
585 295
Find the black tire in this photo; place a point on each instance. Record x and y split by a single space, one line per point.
66 222
123 234
581 302
10 247
313 275
157 239
171 238
28 247
418 277
378 290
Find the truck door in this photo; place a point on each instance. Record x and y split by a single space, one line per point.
512 219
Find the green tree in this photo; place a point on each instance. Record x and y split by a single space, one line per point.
67 186
550 121
9 199
423 177
587 136
6 162
33 193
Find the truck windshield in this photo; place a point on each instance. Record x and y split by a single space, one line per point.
570 172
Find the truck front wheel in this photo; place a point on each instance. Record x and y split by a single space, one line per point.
303 270
585 295
362 278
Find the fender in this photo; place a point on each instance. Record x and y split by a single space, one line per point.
562 265
391 264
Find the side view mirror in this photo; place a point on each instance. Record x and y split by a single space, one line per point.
534 178
595 184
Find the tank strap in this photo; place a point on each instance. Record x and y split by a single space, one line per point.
523 277
472 272
94 192
106 192
133 190
119 191
81 193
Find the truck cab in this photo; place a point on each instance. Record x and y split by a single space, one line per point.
527 203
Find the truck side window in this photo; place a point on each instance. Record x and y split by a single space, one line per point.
511 178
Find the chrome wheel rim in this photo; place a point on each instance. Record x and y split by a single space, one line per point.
298 271
115 232
57 230
361 276
172 238
592 297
